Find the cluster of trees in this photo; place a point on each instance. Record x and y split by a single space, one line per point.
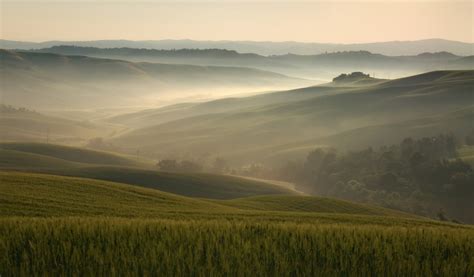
470 138
11 109
350 77
218 166
179 166
421 176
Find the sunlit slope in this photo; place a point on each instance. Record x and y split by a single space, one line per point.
458 122
308 204
27 194
434 78
65 153
152 117
232 132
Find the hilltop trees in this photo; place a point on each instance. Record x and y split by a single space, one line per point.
178 166
350 77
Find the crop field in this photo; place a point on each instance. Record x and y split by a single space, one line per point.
85 246
55 225
41 195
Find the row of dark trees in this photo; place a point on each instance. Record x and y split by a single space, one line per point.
219 166
422 176
418 175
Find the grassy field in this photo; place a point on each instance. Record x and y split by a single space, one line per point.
80 162
26 194
223 247
58 225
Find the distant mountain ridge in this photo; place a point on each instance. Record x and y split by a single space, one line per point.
39 80
393 48
320 67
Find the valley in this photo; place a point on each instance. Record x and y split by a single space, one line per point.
236 158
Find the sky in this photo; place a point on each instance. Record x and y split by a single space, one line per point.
350 21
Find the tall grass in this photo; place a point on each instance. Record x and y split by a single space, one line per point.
93 246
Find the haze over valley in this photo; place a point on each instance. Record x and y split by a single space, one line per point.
311 143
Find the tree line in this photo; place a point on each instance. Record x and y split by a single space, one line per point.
422 176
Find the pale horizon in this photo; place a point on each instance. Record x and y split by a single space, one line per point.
230 40
309 21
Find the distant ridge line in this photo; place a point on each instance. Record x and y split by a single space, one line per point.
267 47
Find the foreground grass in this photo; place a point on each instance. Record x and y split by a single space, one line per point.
77 246
55 225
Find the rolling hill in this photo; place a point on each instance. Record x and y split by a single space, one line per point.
439 101
28 194
288 203
19 124
320 67
202 185
79 162
458 122
69 154
61 224
155 116
51 81
47 195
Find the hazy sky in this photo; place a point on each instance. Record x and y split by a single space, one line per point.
311 21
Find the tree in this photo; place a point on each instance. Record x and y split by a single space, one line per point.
189 166
168 165
442 215
220 166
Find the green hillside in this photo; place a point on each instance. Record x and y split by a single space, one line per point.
28 194
189 184
62 225
251 132
79 162
308 204
458 122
